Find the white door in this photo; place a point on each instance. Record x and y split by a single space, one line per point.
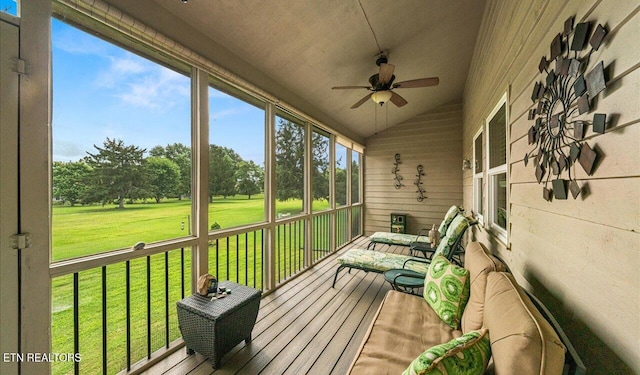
8 196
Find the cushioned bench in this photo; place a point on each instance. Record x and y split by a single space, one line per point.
510 332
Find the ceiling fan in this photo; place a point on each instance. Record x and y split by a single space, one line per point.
381 85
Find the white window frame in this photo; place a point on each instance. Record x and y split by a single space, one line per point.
478 180
501 233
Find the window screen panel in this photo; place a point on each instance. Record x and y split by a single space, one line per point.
498 138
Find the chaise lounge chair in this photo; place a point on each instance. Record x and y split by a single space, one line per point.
406 239
379 262
457 249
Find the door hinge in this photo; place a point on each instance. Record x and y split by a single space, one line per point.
20 66
20 241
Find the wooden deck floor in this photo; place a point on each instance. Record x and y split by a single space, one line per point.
304 327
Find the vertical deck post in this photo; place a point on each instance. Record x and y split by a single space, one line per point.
200 174
308 194
269 236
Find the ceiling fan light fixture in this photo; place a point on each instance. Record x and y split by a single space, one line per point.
381 97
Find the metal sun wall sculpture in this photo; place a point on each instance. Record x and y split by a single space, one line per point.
556 135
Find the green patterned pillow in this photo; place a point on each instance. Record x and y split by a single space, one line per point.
448 217
446 289
458 226
467 355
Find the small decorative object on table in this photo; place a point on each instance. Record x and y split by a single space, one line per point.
207 284
434 237
213 327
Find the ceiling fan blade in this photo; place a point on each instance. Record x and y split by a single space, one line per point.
358 104
397 99
349 87
386 72
421 82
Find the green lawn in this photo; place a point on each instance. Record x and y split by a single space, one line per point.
79 231
85 230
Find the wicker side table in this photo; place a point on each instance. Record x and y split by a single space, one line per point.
212 328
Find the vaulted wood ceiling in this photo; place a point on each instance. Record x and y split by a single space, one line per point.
298 49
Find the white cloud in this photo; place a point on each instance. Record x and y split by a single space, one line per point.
121 70
67 151
224 113
72 41
155 90
218 94
141 83
128 66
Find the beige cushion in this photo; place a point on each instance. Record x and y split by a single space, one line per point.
522 341
479 261
403 328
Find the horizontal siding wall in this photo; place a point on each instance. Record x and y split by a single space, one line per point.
433 140
580 256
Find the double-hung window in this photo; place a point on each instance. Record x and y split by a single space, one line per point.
497 177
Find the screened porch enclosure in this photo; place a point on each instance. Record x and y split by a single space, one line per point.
225 180
117 306
122 317
239 159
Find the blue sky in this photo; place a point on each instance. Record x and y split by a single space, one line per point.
101 90
9 6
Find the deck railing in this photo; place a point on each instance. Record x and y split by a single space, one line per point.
118 309
118 314
342 226
289 248
238 258
321 236
356 221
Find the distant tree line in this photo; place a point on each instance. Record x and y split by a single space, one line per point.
117 173
290 166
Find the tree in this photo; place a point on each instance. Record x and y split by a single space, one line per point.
341 186
164 177
250 178
223 163
70 181
181 155
355 181
320 151
289 161
118 173
290 142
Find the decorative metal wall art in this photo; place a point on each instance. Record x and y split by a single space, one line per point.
394 170
418 183
556 134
